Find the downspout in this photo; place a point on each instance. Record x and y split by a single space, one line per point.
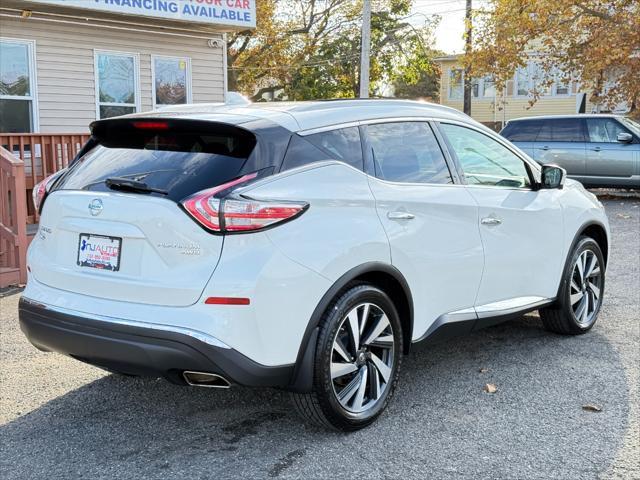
225 78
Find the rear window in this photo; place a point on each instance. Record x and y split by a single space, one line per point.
522 131
180 157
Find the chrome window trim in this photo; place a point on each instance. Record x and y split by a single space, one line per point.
437 120
201 336
328 128
338 126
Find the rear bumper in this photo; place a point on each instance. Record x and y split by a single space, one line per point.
141 351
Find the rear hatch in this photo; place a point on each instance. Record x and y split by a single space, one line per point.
122 242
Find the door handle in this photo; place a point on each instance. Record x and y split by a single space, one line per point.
545 148
400 216
490 221
597 149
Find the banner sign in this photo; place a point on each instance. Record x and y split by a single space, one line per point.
239 13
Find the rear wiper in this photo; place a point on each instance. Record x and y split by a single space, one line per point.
120 183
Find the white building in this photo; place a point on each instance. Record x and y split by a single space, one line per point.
65 63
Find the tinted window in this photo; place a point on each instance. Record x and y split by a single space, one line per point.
484 161
561 130
342 144
522 131
182 159
604 130
407 152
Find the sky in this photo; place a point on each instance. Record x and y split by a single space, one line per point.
448 35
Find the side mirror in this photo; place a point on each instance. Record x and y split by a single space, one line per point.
553 176
625 137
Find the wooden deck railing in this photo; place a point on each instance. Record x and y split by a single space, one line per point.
13 226
42 154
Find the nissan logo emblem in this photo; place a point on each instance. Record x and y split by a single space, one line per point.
95 207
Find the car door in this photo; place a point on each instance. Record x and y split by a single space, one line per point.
431 223
606 157
561 141
521 227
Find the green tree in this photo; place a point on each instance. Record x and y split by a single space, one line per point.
312 50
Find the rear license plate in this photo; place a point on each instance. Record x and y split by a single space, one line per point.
99 251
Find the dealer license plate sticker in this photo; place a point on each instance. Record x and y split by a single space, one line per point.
99 251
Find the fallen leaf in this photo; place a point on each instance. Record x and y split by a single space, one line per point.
623 215
483 370
589 407
490 388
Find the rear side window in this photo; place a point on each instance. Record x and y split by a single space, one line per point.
522 131
561 130
181 158
342 144
407 152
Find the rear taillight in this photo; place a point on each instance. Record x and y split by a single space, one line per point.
237 214
41 189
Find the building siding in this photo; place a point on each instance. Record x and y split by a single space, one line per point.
488 111
64 54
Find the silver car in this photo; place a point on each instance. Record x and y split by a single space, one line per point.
597 150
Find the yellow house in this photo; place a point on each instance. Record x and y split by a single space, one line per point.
494 108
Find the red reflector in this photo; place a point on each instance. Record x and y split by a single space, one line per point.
227 301
151 125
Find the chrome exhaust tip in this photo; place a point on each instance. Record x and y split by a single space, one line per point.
203 379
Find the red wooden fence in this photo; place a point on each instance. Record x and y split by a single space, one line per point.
42 154
13 227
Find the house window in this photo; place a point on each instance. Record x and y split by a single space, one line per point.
532 79
522 81
171 80
117 84
456 83
18 110
561 84
488 87
484 87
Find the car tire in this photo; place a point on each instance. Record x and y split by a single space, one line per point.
357 361
581 291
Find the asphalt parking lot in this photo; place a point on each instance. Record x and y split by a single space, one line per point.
62 419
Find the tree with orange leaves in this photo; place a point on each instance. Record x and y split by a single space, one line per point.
594 42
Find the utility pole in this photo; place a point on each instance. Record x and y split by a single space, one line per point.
365 49
467 50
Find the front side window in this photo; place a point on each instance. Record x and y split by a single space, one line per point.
171 80
561 130
407 152
485 161
116 84
456 83
17 85
604 130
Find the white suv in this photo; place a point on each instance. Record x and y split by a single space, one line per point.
304 246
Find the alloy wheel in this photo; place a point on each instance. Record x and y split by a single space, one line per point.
586 285
362 358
